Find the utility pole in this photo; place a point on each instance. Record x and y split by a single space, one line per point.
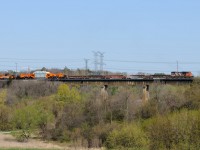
177 66
16 67
86 66
16 70
28 69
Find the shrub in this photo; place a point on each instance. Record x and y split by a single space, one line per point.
180 130
19 90
128 136
28 118
5 118
67 95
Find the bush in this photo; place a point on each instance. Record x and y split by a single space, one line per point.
128 136
102 131
19 90
193 95
5 118
22 135
28 118
179 130
25 119
67 95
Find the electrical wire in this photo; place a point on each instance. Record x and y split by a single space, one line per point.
151 62
69 63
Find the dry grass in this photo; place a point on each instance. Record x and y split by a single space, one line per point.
7 141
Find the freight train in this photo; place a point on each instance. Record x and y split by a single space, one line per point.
173 75
60 76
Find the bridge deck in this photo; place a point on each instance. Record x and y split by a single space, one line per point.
125 80
116 82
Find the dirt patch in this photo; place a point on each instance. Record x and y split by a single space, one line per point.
8 141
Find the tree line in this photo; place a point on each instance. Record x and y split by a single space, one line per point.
116 119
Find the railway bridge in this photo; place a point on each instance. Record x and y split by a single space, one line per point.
104 83
127 81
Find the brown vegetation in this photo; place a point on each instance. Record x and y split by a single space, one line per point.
89 117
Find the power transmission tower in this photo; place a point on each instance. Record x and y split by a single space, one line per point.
95 61
98 62
29 69
86 66
101 63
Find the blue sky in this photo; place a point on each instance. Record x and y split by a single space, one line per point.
135 35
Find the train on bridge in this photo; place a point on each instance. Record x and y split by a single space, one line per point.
61 76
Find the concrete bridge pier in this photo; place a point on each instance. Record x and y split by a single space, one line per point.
145 97
104 93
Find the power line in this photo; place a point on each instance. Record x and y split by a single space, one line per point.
130 61
144 70
42 59
151 62
58 60
140 70
55 62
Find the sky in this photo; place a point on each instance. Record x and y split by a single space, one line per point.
134 35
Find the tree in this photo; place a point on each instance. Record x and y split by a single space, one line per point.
3 94
128 136
66 95
179 130
44 69
25 120
29 118
68 111
5 118
193 95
